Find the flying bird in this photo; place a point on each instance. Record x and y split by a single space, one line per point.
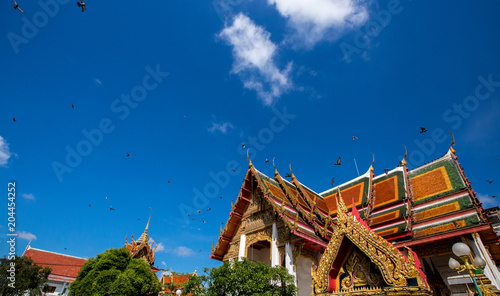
111 208
220 197
489 181
107 197
14 119
234 170
288 175
189 215
128 154
354 138
90 205
267 160
203 221
493 196
199 211
169 181
193 218
243 145
150 208
17 7
138 219
422 130
73 106
82 5
333 179
338 162
209 209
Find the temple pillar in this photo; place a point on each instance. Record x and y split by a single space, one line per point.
243 246
275 255
289 261
490 270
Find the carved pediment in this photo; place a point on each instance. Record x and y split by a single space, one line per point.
357 261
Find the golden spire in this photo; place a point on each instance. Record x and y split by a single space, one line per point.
249 160
144 236
221 229
452 143
404 161
213 246
373 161
232 204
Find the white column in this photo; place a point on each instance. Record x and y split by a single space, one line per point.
289 261
243 245
490 270
275 255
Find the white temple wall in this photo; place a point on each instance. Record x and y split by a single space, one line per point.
304 279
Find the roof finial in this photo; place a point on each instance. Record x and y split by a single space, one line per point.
291 170
249 160
406 153
373 161
275 170
213 247
147 226
452 143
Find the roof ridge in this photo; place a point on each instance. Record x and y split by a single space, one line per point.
31 248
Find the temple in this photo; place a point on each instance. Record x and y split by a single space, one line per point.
142 249
390 234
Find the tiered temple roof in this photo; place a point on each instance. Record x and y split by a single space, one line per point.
142 249
407 207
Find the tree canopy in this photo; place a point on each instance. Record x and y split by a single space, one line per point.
242 278
29 277
115 272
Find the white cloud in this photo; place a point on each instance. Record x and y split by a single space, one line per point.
487 201
25 235
183 251
316 20
29 196
5 153
221 127
160 248
253 53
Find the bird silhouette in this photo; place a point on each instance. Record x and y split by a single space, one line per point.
150 208
234 170
128 154
220 197
333 179
338 162
111 208
169 181
17 7
199 211
65 248
203 221
199 250
493 196
209 209
422 130
386 171
189 215
455 223
243 145
193 218
354 138
82 5
489 181
267 160
288 175
73 106
107 197
138 219
90 205
14 119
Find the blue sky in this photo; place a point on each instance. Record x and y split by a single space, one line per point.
180 85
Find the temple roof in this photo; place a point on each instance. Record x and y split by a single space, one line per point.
404 206
64 267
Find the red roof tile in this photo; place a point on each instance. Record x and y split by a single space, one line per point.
61 265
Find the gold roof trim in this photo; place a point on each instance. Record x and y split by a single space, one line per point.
393 265
452 143
404 157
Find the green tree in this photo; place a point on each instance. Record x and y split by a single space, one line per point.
114 272
242 278
28 277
